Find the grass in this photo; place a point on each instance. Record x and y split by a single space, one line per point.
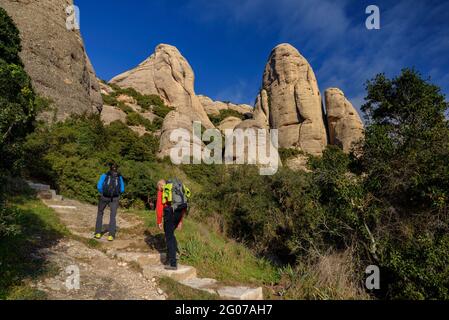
177 291
213 255
231 263
40 228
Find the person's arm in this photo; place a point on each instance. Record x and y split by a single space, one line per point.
122 185
100 183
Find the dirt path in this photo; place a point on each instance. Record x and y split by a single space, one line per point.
125 269
102 275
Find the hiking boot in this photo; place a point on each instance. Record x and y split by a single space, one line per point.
111 238
97 236
171 268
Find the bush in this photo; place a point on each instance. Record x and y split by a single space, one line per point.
135 119
406 161
145 101
18 102
161 110
8 221
9 39
19 106
288 153
216 120
71 155
109 100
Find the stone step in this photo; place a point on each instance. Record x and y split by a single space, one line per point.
183 272
55 196
240 293
38 186
44 195
151 263
143 259
61 207
204 284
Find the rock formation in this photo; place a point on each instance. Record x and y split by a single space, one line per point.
229 123
214 107
345 125
290 101
105 88
168 74
110 114
176 120
55 57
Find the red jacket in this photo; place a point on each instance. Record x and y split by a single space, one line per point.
160 208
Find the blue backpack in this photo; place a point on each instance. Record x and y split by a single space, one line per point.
111 186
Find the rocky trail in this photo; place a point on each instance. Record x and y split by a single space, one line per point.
125 269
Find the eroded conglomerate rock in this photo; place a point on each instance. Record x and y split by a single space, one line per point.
168 74
214 107
55 57
290 101
181 122
345 125
229 123
110 114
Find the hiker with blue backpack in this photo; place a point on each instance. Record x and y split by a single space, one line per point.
171 206
110 186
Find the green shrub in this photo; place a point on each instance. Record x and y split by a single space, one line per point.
145 101
406 162
71 155
135 119
10 45
109 100
8 221
216 120
161 110
124 107
288 153
18 103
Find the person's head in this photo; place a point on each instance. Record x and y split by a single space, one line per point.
161 184
113 167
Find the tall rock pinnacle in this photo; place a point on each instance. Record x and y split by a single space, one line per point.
345 125
168 74
290 101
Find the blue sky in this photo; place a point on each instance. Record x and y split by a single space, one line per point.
227 42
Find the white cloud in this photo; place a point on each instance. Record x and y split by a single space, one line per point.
342 51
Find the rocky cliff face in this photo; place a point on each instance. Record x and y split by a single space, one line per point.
345 125
290 101
55 57
168 74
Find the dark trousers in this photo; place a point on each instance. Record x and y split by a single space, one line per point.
102 204
172 218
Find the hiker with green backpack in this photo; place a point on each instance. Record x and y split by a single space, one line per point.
110 186
172 204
